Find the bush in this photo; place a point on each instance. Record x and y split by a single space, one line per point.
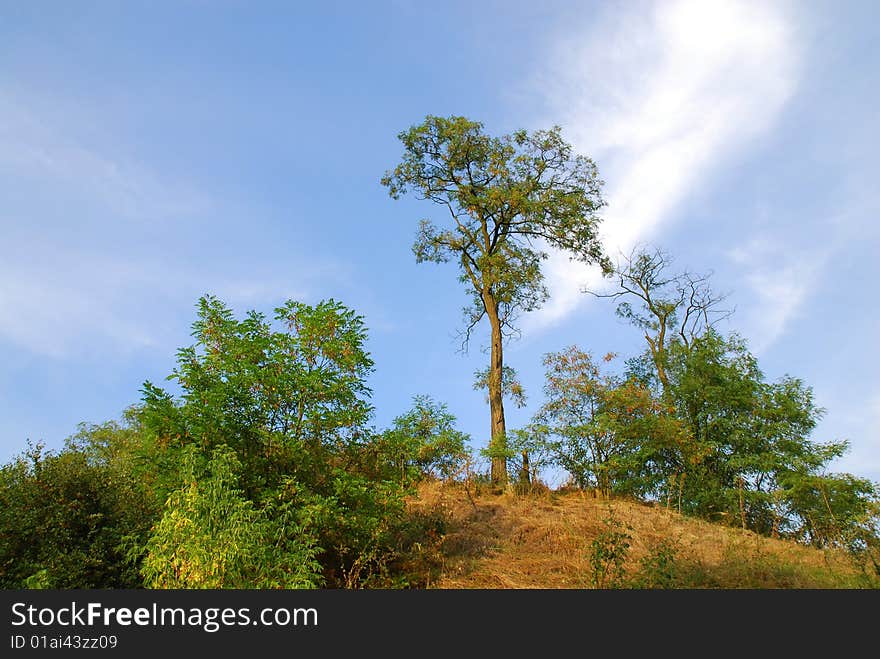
658 568
287 405
64 518
210 536
608 554
423 443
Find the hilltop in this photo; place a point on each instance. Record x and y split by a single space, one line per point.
547 539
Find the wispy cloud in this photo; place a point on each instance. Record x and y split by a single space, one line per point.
50 313
660 95
95 244
50 152
778 284
75 265
71 303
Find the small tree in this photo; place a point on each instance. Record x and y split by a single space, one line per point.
507 198
608 432
424 442
285 396
608 552
833 510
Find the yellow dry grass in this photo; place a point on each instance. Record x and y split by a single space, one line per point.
543 540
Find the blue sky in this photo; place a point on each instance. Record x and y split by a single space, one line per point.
154 152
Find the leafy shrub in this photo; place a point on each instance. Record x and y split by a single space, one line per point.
63 520
423 442
289 401
608 553
210 536
658 568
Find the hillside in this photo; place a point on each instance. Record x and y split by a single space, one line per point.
546 540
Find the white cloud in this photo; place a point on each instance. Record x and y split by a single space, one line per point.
49 315
778 285
71 276
659 98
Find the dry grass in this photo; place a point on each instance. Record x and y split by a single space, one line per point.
543 540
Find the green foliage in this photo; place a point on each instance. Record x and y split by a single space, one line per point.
608 552
609 433
758 466
267 394
530 441
291 403
832 510
64 518
39 580
210 536
658 568
423 442
511 387
502 193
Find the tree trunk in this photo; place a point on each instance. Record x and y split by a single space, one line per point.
658 356
660 363
498 437
525 473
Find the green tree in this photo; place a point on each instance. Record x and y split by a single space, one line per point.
507 198
833 510
290 400
608 553
424 442
668 308
610 433
267 391
759 467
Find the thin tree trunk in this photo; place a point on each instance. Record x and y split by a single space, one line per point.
498 438
658 356
525 474
660 362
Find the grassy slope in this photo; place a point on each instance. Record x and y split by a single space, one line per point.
545 540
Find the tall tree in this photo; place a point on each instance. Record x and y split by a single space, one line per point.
511 389
508 198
